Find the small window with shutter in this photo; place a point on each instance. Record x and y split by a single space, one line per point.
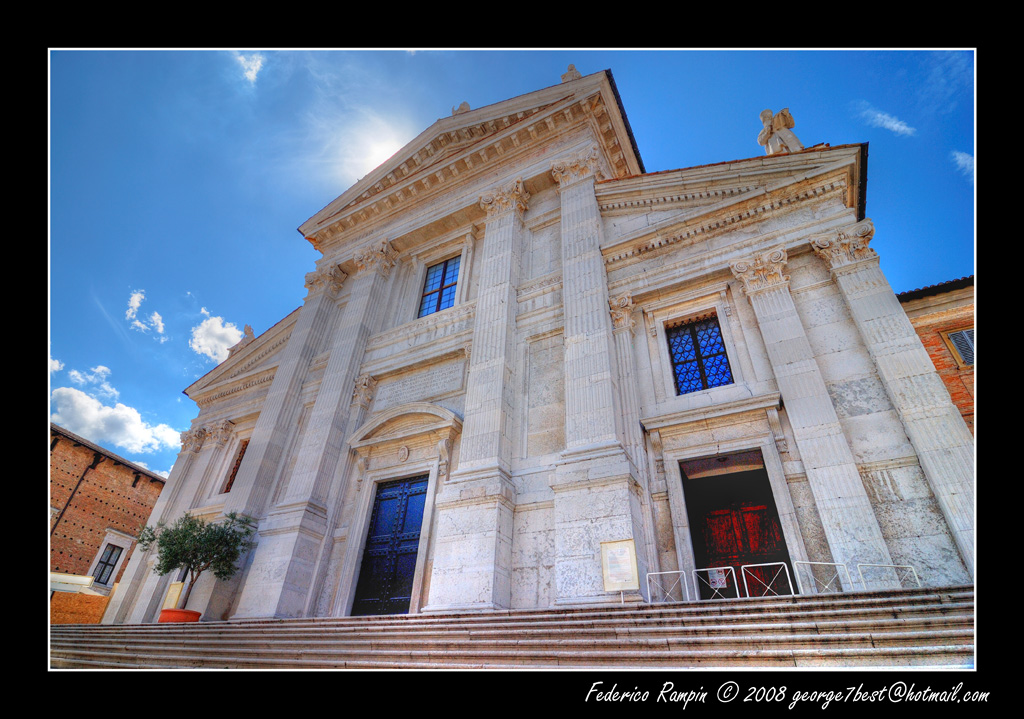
961 344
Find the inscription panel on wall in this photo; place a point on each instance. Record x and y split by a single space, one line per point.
416 386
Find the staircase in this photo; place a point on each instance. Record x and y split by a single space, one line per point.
923 627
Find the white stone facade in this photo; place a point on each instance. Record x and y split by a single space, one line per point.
541 405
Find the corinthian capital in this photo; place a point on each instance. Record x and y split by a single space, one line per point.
379 257
846 245
762 272
328 278
192 439
220 432
507 198
568 170
622 312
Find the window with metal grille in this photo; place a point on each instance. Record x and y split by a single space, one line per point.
963 343
439 287
108 560
698 355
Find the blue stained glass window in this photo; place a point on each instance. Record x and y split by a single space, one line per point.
439 287
698 356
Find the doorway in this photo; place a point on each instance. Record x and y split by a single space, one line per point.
389 560
734 522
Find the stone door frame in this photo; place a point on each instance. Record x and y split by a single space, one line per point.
776 480
402 442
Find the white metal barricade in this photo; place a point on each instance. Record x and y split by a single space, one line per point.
666 589
767 587
824 587
715 582
897 567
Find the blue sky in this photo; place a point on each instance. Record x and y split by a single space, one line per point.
178 179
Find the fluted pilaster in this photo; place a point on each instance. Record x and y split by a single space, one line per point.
285 566
847 517
935 427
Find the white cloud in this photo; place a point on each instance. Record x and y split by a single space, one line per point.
877 118
119 425
251 65
56 365
96 378
964 163
213 337
134 302
155 321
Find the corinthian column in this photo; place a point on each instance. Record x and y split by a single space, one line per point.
847 517
285 565
259 468
473 550
594 471
933 424
590 412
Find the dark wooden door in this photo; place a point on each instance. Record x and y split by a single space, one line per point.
389 560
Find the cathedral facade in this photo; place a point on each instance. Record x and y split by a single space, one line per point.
521 352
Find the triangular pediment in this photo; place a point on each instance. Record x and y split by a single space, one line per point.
251 362
473 141
681 205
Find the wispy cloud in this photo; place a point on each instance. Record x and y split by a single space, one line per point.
154 322
213 337
353 122
55 365
251 65
964 163
96 380
947 78
877 118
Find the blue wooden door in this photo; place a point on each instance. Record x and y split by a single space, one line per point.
392 541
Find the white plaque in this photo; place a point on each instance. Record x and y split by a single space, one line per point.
716 579
618 562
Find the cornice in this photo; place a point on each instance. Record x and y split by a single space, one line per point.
244 384
732 212
662 422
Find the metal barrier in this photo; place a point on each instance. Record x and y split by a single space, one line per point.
825 587
896 567
718 583
667 594
767 587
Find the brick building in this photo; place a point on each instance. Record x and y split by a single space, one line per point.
943 316
98 504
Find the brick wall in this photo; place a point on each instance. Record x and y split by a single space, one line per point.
959 381
111 494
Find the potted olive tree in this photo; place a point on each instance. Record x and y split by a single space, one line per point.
196 546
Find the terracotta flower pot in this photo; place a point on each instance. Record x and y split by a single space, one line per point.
179 615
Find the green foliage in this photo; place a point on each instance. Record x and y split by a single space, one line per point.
197 546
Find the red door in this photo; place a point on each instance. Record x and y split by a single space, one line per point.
739 534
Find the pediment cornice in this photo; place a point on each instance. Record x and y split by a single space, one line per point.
471 144
706 208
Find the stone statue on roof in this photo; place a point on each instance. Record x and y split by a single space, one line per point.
777 135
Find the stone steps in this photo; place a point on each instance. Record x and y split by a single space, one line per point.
903 628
